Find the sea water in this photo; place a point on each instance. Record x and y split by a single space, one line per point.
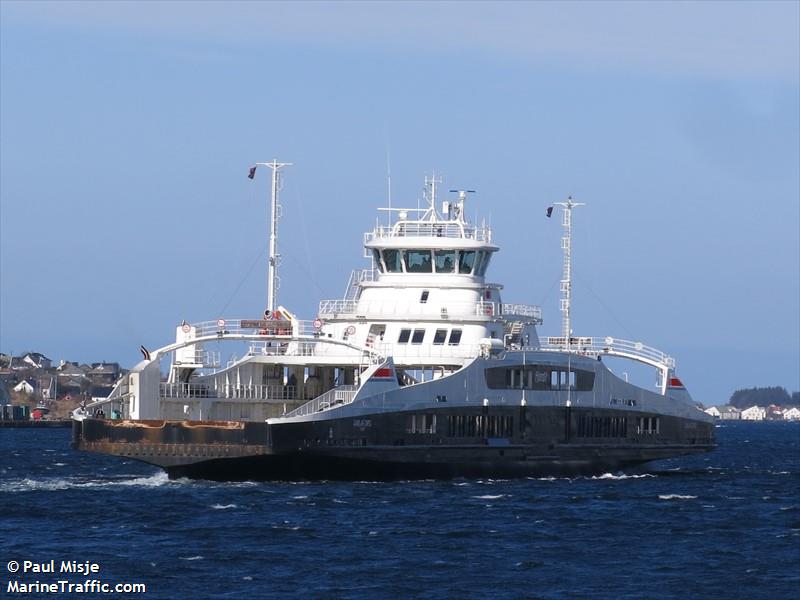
720 525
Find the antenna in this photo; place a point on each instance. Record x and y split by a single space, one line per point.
430 182
566 278
389 180
274 257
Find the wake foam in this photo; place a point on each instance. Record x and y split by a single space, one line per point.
67 483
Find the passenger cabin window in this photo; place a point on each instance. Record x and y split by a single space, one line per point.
418 261
466 260
539 377
455 337
419 335
393 260
445 260
404 335
439 337
424 297
376 254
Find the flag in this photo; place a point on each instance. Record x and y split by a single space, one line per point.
549 211
252 172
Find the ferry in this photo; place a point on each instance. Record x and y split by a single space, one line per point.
420 370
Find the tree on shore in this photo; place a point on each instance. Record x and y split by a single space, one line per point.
761 397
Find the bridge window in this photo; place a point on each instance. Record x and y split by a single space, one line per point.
376 255
479 262
480 270
466 260
455 337
439 337
445 260
419 335
424 296
418 261
404 335
393 260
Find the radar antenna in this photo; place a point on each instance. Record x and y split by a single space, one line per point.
456 212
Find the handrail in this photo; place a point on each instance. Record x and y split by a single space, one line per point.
267 327
287 345
338 396
210 390
383 308
595 346
436 229
522 310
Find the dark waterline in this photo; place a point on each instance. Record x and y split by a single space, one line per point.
722 525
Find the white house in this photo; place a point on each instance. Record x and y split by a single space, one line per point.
792 414
754 413
728 413
24 386
713 411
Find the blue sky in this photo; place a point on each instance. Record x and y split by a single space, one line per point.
126 131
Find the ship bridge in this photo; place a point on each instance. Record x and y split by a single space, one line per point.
425 298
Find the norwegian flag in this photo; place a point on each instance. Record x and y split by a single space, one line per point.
252 173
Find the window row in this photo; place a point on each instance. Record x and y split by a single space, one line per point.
464 262
539 377
440 337
421 423
648 426
590 426
494 426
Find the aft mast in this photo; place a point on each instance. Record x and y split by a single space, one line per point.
274 257
566 277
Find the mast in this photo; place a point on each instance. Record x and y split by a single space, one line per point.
274 257
566 277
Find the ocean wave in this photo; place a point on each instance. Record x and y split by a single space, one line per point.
223 506
58 484
620 476
490 497
675 497
197 557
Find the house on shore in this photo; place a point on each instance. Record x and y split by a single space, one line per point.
25 386
791 414
754 413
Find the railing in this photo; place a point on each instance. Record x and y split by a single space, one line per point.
596 346
337 307
381 308
208 359
243 392
338 396
234 326
446 229
522 310
277 327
